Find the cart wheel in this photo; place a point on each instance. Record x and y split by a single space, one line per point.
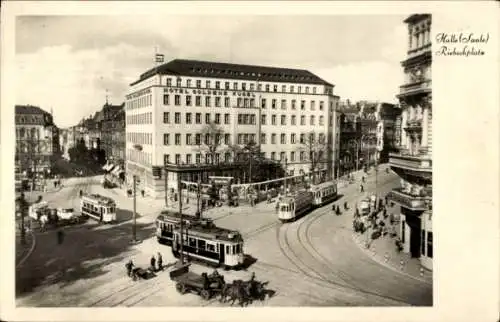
205 294
181 288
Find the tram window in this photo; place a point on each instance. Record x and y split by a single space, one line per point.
192 242
234 249
210 247
284 208
201 244
238 249
227 249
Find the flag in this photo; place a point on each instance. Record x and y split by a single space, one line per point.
159 58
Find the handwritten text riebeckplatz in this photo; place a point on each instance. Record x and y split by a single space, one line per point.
461 44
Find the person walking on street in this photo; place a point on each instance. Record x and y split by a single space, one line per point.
363 179
60 237
153 262
160 262
361 188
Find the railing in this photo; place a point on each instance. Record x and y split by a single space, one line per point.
409 201
417 162
416 87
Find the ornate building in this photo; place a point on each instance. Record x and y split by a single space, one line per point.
413 162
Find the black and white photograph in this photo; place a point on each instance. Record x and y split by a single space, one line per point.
227 160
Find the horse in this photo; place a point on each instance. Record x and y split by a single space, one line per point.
235 291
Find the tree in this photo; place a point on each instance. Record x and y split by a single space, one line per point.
248 152
211 140
315 148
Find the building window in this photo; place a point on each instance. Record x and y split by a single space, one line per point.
273 155
235 86
273 119
177 118
321 105
166 117
302 120
312 119
243 86
263 138
252 102
198 118
267 88
292 156
283 119
273 103
188 83
197 139
302 138
226 118
293 120
321 120
177 159
429 244
282 156
283 138
217 158
300 89
307 89
179 82
291 89
226 101
302 156
169 82
207 138
188 100
252 87
207 118
302 105
217 101
283 104
197 100
198 83
313 107
188 118
263 103
239 101
177 139
217 118
273 138
217 85
259 87
227 157
207 84
188 158
189 140
283 88
275 88
207 101
294 104
227 139
226 85
198 158
166 139
314 90
177 100
166 158
264 119
166 99
292 138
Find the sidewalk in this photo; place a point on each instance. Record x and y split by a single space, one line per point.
383 250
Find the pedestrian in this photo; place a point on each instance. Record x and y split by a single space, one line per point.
142 193
129 266
153 262
386 200
277 206
160 262
363 179
345 205
55 184
361 188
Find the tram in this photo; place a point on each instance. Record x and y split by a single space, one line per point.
99 207
205 242
165 223
324 193
290 208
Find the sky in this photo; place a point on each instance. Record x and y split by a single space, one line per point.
69 63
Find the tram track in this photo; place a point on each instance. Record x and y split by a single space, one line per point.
318 259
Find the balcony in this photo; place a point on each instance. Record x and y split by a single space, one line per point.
421 162
420 87
416 203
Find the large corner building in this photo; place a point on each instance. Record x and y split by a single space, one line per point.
413 163
167 108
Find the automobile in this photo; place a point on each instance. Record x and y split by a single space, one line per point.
67 214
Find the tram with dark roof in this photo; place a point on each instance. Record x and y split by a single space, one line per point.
203 241
166 222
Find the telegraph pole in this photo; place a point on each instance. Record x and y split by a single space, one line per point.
134 229
179 187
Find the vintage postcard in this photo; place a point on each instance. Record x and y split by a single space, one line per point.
250 161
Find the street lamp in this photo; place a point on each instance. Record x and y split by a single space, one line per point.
135 181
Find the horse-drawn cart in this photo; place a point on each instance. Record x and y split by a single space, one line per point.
203 285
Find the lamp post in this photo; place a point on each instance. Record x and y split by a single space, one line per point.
198 196
179 189
134 229
286 174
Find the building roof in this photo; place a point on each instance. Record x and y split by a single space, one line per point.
196 68
29 109
416 18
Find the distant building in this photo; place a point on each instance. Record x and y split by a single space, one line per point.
413 162
36 140
111 129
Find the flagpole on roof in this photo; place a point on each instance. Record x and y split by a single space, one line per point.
159 58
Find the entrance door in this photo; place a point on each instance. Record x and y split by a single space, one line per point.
222 254
415 235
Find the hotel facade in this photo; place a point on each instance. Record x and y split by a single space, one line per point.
413 162
167 109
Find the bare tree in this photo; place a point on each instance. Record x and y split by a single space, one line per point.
315 147
248 152
211 140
